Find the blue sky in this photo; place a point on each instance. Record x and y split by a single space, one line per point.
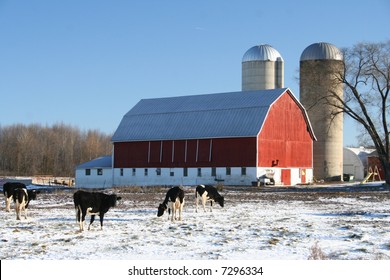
86 63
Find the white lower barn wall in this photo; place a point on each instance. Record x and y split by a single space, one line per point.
297 175
175 176
309 176
93 180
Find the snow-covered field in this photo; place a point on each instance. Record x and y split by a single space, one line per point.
266 225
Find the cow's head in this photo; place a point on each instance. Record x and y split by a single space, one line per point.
113 199
32 194
220 200
161 209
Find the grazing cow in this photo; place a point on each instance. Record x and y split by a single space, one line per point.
92 203
22 198
174 200
8 190
207 193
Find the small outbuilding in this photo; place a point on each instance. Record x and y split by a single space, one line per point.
356 162
96 173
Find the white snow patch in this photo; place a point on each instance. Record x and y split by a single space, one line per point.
344 227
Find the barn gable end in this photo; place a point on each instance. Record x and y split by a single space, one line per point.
286 138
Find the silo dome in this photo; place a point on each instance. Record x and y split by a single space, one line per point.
321 50
262 53
262 68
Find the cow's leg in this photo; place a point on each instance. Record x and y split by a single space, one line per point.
196 201
25 211
8 203
173 217
79 218
204 199
78 214
181 209
92 219
101 220
82 222
211 206
17 209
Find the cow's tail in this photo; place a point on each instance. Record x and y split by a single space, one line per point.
78 213
77 206
196 200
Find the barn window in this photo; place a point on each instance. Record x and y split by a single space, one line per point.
121 171
213 171
171 172
243 171
146 172
185 171
199 172
228 171
87 172
99 171
133 171
158 171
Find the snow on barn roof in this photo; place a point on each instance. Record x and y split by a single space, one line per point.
100 162
220 115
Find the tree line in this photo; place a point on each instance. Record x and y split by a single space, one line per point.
28 150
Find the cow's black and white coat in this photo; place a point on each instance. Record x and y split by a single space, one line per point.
174 200
207 193
22 198
92 203
8 190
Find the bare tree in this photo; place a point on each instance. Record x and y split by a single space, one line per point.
366 80
57 150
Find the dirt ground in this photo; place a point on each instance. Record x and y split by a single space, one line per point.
152 196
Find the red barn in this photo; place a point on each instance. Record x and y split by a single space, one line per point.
237 138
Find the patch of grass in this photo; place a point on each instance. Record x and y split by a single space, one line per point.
219 187
273 241
316 253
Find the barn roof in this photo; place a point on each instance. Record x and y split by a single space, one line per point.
220 115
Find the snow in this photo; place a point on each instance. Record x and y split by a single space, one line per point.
254 225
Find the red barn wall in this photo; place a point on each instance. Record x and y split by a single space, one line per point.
284 140
221 152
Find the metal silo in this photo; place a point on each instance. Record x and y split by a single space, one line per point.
262 68
319 64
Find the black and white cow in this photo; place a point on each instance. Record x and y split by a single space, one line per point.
174 200
22 198
92 203
8 190
207 193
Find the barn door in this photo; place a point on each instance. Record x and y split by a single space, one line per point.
303 176
286 177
